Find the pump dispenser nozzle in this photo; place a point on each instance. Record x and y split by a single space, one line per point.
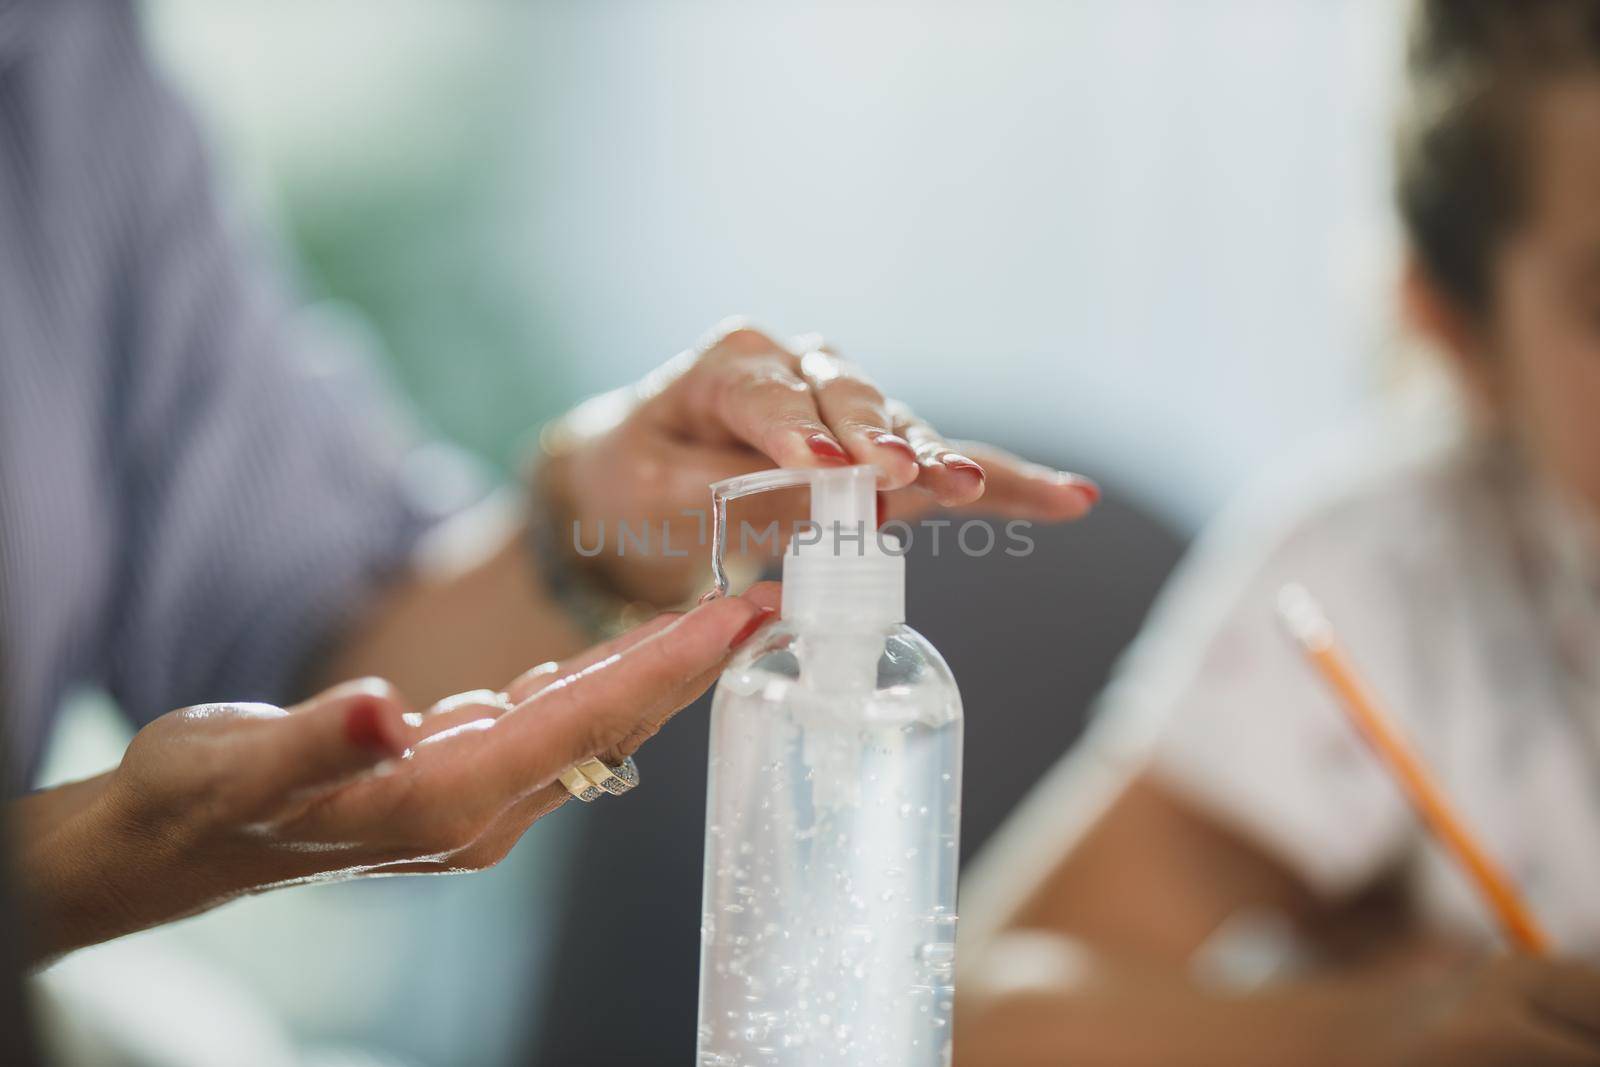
839 569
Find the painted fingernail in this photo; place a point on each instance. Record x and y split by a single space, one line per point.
751 626
827 448
1085 487
363 727
957 462
896 442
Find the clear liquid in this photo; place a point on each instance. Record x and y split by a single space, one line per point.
828 925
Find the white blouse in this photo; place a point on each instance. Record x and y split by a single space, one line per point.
1468 597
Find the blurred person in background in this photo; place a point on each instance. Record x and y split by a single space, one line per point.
198 504
1224 874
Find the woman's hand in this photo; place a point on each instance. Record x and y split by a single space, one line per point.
742 401
218 800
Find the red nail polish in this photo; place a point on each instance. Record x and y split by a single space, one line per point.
363 727
896 442
755 623
957 462
827 448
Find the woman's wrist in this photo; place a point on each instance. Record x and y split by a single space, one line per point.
61 868
580 586
87 873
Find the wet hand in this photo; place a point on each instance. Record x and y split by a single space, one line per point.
218 800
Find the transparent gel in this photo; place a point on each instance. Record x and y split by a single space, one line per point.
832 839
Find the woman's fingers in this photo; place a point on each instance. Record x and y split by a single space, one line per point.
507 828
752 386
768 595
617 702
480 705
336 734
1017 488
857 413
531 681
477 705
492 845
817 409
953 478
459 784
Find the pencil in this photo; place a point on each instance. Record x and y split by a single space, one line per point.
1303 617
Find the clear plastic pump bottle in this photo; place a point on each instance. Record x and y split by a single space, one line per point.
832 810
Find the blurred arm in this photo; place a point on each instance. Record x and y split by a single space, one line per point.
1095 967
473 609
1093 964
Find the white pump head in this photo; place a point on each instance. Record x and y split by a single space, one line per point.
838 571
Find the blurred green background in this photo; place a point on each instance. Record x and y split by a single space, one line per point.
370 139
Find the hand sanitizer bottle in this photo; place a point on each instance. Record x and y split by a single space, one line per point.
832 809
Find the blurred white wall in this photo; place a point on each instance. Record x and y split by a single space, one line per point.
1147 236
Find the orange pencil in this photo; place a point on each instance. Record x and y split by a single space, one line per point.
1302 616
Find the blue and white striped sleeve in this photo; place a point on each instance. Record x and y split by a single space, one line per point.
262 498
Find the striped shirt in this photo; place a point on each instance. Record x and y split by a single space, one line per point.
195 490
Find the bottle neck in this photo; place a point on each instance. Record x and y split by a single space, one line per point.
843 592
